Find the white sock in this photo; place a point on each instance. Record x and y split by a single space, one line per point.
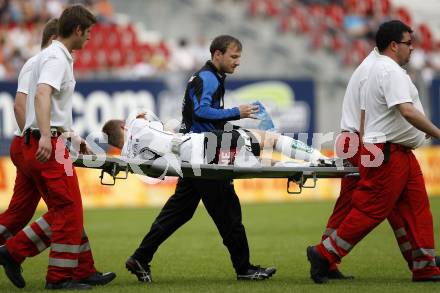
297 150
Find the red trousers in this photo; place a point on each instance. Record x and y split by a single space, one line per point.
24 200
61 227
343 204
395 185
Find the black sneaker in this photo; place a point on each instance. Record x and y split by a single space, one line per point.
142 272
338 275
12 268
318 266
256 273
67 285
98 278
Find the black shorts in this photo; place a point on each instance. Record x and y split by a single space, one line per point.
221 147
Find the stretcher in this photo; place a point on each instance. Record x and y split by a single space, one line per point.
120 167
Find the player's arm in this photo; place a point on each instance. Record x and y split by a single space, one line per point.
205 86
20 109
418 120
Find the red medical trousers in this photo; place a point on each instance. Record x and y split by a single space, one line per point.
346 144
395 184
61 227
24 200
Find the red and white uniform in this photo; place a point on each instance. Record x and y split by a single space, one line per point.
398 182
25 198
62 226
354 102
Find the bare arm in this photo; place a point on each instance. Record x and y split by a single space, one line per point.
20 109
42 113
418 120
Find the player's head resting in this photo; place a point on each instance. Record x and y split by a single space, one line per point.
50 32
221 43
76 20
391 31
115 132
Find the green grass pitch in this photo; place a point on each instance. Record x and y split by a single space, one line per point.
195 260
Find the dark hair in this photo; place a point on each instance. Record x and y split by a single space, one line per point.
50 29
73 16
390 31
112 129
221 43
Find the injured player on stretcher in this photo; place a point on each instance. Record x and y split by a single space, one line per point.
143 137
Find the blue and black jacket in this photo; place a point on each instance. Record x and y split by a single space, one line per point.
203 105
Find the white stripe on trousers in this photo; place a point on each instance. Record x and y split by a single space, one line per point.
35 238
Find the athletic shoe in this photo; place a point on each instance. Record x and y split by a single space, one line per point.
98 278
67 285
12 268
142 272
338 275
318 266
256 273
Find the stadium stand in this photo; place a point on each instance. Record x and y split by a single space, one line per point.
343 29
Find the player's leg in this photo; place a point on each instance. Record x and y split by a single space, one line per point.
178 210
223 205
288 146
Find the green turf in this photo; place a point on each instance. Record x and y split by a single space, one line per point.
195 260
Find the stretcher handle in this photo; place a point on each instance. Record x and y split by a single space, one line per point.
305 176
301 182
113 171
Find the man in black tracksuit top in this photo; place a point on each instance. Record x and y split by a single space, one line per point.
203 111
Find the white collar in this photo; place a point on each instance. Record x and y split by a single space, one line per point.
391 62
63 48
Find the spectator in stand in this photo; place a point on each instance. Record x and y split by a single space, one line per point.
182 59
104 9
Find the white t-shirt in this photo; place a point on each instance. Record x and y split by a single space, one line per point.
352 104
146 139
53 66
23 83
389 85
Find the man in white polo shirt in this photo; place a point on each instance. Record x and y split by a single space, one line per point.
25 198
48 113
390 174
348 145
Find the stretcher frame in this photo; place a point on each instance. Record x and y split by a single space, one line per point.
113 166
